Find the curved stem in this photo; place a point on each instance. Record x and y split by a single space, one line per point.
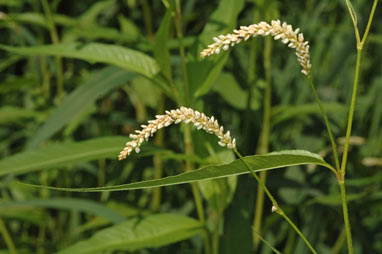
276 208
323 113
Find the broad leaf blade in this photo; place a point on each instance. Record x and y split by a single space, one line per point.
99 84
128 59
256 162
152 231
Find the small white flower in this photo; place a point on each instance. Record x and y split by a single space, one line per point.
186 115
283 31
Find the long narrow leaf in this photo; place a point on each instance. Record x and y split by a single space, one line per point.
99 84
256 162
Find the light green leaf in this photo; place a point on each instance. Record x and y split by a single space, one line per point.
68 153
228 88
256 162
161 52
61 154
10 114
152 231
75 204
222 21
98 84
128 59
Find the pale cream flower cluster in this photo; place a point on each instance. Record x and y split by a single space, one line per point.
186 115
283 31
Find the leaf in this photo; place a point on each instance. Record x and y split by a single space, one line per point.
228 88
98 84
10 114
128 59
152 231
283 113
68 153
61 154
256 162
221 21
75 204
161 52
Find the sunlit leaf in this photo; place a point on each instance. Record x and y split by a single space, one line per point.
128 59
152 231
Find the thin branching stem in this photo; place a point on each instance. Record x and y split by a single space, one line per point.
323 113
276 208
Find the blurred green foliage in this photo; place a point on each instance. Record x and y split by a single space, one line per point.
78 76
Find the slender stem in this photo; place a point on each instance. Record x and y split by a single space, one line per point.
371 16
147 19
7 238
351 114
276 208
55 40
189 147
264 139
346 217
354 19
323 113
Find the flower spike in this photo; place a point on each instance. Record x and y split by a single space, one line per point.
283 32
186 115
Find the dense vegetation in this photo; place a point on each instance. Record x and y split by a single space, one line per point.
78 77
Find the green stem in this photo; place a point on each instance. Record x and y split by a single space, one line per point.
341 179
371 16
189 147
351 114
346 216
276 208
55 40
7 238
147 19
323 113
264 139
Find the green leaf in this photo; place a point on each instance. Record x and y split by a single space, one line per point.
75 204
228 88
222 21
10 114
256 162
283 113
61 154
152 231
161 52
98 84
128 59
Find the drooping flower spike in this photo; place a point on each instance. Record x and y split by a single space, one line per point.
186 115
283 31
